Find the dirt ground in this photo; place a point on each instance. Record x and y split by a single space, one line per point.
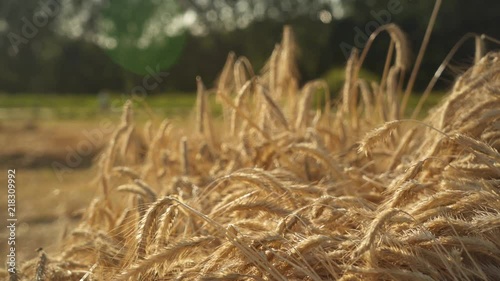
53 179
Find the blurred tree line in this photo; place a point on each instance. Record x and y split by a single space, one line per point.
84 46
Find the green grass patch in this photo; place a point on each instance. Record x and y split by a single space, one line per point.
86 106
170 105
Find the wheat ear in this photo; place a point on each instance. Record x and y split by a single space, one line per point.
41 270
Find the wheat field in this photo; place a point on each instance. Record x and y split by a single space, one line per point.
279 190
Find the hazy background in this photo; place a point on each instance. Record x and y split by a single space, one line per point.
85 46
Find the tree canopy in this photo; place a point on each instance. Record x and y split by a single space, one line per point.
75 46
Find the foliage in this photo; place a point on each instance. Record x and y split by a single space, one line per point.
57 60
335 78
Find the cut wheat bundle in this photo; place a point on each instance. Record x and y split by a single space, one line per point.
286 192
